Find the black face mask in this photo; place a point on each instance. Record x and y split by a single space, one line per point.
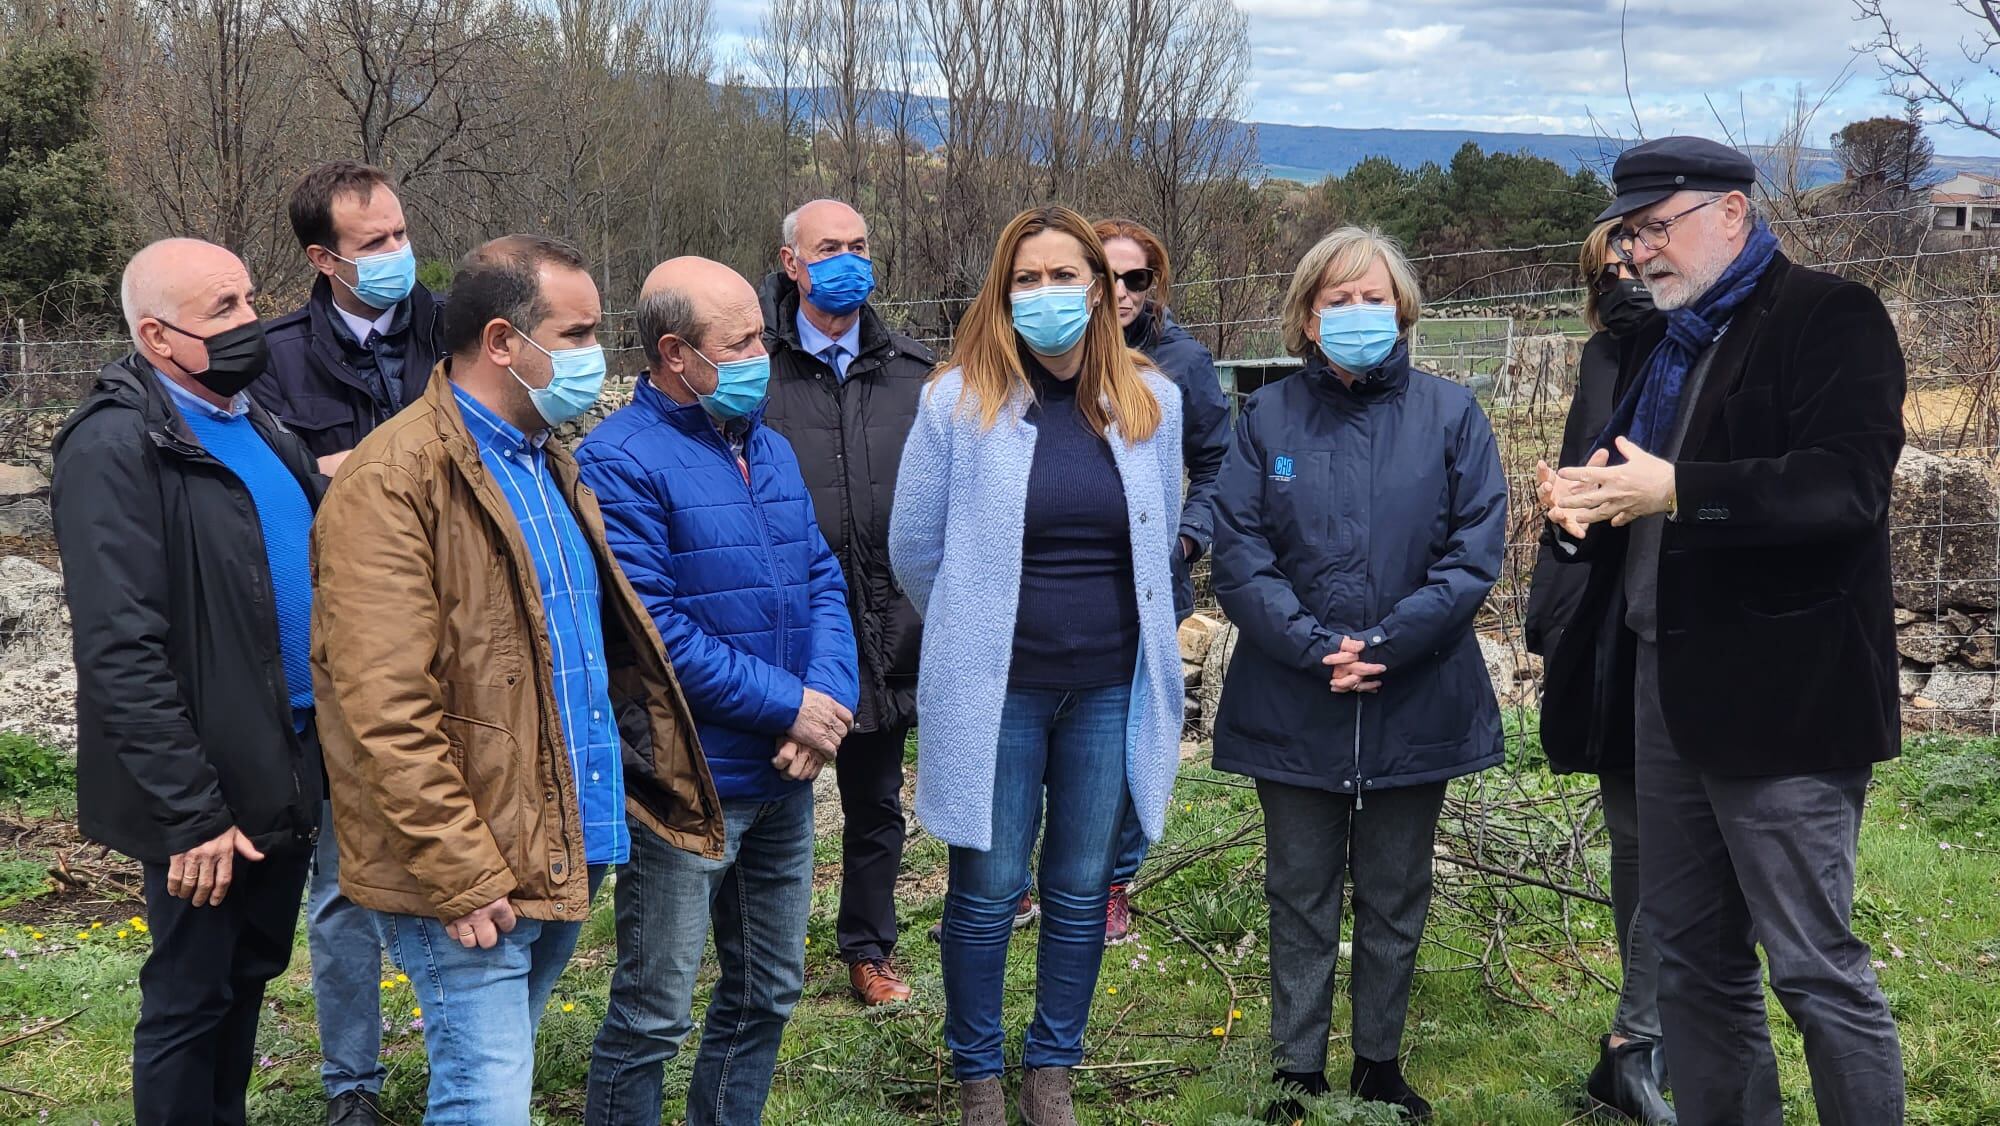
1625 306
236 357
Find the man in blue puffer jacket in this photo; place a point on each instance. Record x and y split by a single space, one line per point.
709 517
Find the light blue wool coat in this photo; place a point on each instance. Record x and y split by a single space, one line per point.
955 545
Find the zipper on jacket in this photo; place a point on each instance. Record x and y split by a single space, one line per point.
1357 751
757 506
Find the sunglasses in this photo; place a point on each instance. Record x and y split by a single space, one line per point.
1608 278
1135 281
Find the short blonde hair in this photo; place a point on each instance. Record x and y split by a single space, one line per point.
1339 258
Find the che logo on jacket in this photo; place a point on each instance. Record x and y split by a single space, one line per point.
1281 468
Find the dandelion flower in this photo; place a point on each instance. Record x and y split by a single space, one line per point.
403 979
1217 1031
123 933
1111 989
417 1011
1236 1014
569 1006
97 926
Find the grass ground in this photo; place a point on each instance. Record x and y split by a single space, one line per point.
1176 1031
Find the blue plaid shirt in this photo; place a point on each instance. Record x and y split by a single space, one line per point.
566 574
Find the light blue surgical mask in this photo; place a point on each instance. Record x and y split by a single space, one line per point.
841 284
1052 319
739 385
1356 338
576 376
383 280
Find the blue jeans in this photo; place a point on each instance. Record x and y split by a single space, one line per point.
1132 848
480 1010
346 975
1071 745
758 897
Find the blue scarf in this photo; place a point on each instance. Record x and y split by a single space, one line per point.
1646 415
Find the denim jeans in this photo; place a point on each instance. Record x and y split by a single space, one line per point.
1070 745
757 897
1132 846
480 1010
346 975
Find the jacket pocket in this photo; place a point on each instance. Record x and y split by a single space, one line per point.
500 781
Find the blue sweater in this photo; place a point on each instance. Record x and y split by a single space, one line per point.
285 515
955 540
1077 626
746 594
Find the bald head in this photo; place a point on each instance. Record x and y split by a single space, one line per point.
197 286
693 314
820 221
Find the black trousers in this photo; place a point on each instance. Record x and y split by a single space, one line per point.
202 989
869 770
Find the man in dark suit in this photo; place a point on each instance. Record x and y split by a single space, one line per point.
1737 628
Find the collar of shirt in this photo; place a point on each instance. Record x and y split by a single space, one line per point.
362 327
491 432
187 401
813 340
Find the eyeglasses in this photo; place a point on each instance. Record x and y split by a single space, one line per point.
1135 281
1656 234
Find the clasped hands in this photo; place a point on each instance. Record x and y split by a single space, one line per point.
1348 672
1597 491
814 738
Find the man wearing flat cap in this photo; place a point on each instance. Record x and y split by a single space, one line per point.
1735 642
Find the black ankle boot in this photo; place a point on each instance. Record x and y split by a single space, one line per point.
1296 1085
1381 1081
1626 1083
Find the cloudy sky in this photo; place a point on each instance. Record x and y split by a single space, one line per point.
1550 65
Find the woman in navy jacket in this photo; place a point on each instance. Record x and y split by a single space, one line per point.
1361 519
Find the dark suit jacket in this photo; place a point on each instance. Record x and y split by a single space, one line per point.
1777 641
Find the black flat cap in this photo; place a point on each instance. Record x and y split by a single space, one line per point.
1648 173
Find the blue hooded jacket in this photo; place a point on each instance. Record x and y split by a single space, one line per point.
741 584
1378 512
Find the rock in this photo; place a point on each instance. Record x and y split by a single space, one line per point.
1952 688
1195 636
37 676
1190 672
1981 648
1942 515
1928 643
1502 663
1903 617
1911 678
1214 668
24 503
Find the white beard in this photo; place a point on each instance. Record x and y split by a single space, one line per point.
1675 291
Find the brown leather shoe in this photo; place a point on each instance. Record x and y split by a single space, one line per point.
877 983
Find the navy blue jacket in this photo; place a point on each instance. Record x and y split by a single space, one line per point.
1204 429
1377 512
746 594
313 385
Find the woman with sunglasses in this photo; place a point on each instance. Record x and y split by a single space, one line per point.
1142 276
1627 1079
1360 520
1033 529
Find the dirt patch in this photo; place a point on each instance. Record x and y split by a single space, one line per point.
86 882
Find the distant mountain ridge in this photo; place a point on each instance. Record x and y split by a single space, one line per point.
1310 153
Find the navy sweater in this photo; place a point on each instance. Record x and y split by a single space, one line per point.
1077 625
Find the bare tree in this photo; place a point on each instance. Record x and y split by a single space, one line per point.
1912 72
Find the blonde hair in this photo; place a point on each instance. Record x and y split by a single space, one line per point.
1590 260
987 355
1337 259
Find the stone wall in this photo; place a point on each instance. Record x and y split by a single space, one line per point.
1945 558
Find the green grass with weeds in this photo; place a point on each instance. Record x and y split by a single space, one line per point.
1177 1029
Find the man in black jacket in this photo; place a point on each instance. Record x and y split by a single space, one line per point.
1737 624
844 390
182 512
360 350
363 345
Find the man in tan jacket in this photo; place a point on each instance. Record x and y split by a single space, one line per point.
494 697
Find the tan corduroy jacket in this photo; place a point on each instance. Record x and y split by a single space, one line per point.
450 777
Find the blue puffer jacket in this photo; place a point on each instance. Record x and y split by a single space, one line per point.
744 590
1377 512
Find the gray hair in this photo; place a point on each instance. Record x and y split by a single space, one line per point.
666 312
130 303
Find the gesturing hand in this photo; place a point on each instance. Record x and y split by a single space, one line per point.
202 874
1557 493
821 724
1349 673
1643 486
483 927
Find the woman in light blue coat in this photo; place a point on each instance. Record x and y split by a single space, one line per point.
1034 528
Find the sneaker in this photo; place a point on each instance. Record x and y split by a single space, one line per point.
1117 916
1026 912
